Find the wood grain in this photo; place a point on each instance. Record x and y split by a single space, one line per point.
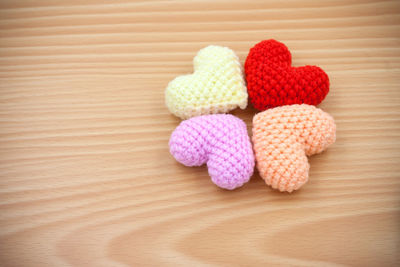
86 176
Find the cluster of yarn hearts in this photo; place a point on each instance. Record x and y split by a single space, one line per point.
289 130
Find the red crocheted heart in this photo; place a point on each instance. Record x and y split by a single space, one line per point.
272 81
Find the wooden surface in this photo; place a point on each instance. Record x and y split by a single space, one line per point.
86 176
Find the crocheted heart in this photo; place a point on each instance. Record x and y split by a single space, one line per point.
219 140
216 86
272 81
283 137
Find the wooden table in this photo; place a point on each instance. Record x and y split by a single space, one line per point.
86 175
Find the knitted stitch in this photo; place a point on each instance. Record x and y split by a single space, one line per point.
272 81
219 140
216 86
283 137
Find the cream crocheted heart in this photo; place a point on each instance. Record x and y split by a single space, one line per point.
216 86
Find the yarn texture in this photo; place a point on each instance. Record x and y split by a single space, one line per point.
221 141
283 137
216 86
272 81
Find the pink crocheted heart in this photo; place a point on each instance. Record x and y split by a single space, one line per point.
219 140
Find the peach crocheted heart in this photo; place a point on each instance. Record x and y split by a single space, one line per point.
283 137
